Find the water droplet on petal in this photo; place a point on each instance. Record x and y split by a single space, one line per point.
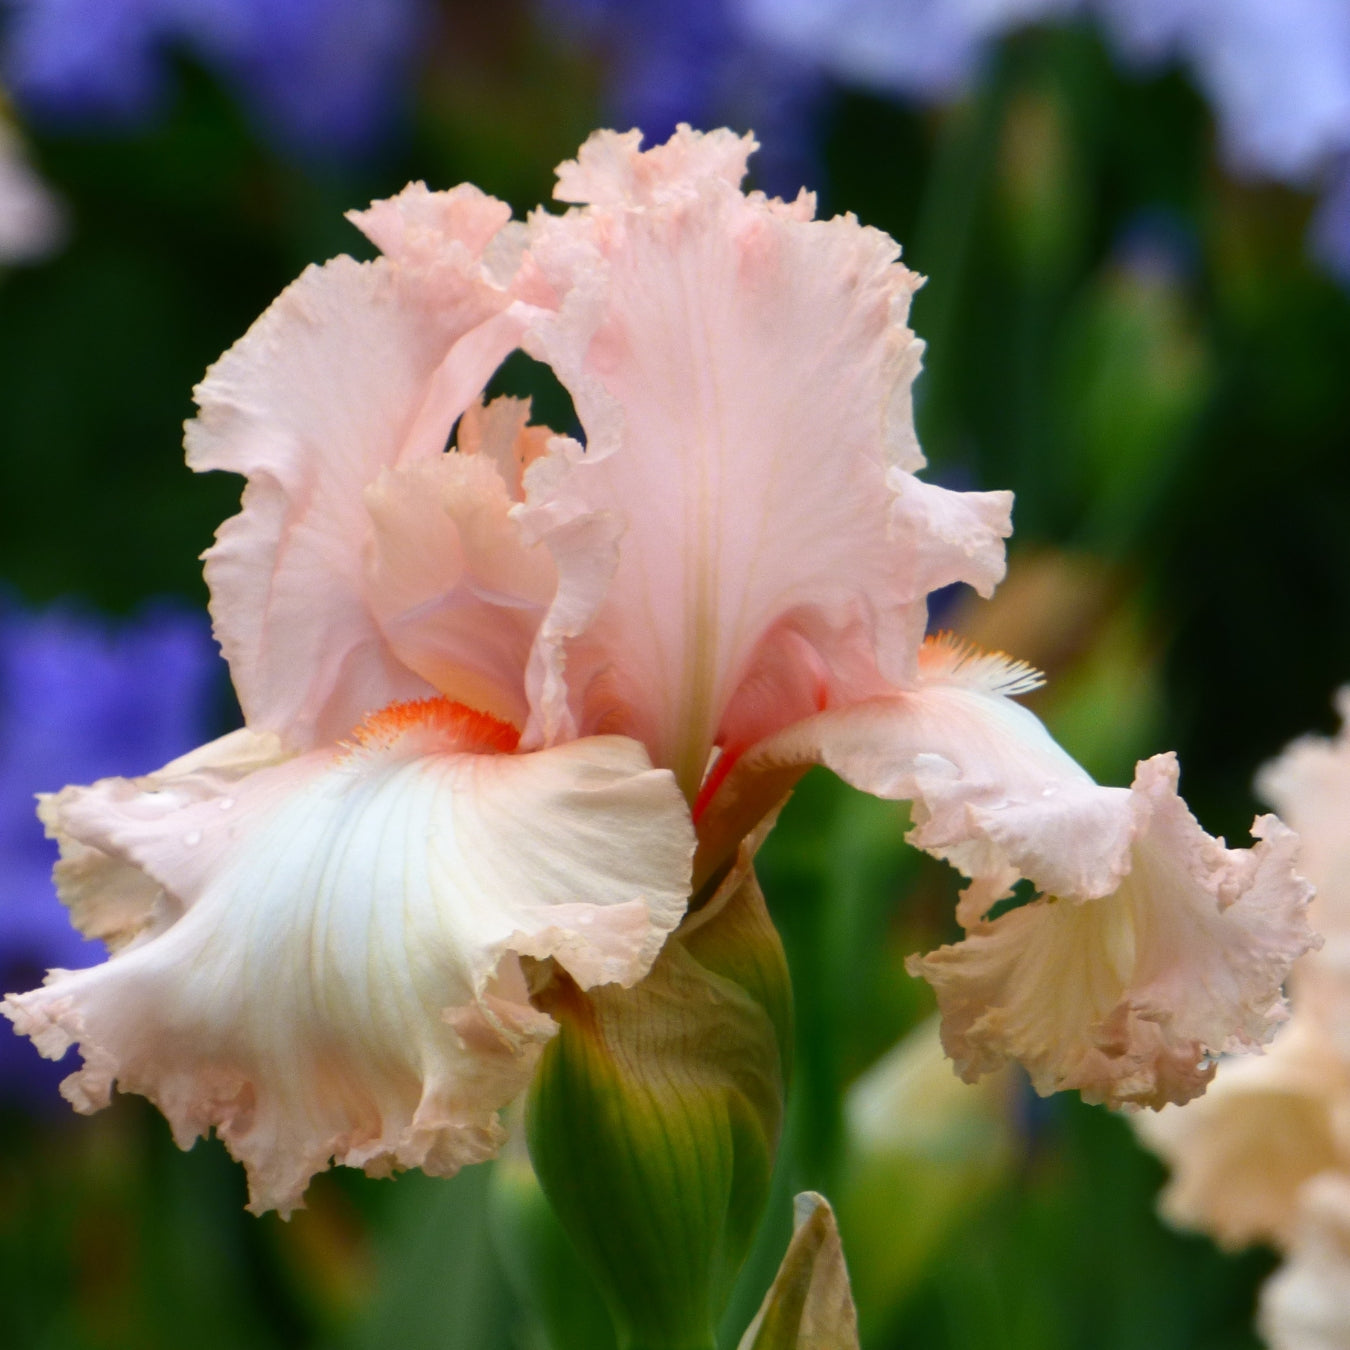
193 839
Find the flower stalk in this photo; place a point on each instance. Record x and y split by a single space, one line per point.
654 1118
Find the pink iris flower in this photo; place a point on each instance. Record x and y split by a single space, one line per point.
522 698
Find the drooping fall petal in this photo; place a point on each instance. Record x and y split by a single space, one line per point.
742 372
332 971
1152 948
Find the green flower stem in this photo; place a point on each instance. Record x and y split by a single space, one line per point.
653 1120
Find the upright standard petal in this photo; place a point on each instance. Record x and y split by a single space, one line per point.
743 375
333 968
356 368
1152 947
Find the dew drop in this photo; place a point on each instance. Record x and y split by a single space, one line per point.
193 839
225 803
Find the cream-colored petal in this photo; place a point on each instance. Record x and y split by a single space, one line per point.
1309 785
743 376
341 978
1128 997
1306 1303
355 368
1268 1123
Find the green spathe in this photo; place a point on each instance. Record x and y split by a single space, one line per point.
654 1117
808 1306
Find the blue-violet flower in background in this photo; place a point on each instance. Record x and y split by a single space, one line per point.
76 701
696 61
321 78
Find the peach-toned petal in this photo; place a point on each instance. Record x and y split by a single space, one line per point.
1153 946
454 589
1309 785
971 760
340 977
111 898
421 226
501 431
1128 997
1306 1303
610 170
355 368
1267 1123
743 375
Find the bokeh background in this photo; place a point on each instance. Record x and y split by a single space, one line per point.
1135 218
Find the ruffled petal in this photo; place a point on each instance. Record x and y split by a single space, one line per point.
610 169
1153 946
1128 997
1306 1303
1266 1125
743 374
455 591
339 977
355 368
113 899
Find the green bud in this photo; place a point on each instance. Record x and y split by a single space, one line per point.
653 1119
809 1306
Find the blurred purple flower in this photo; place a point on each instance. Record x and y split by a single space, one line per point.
76 704
322 78
1329 234
673 61
1276 74
924 49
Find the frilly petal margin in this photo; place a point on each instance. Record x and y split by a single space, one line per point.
354 368
341 980
1153 947
743 372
